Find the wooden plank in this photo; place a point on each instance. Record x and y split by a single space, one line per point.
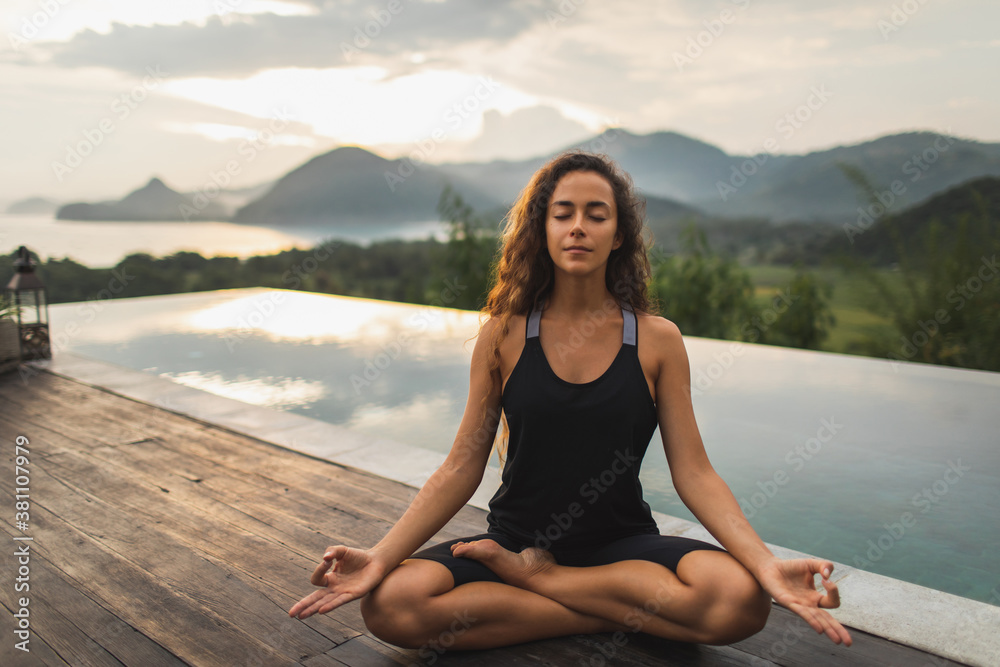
369 652
40 654
267 566
78 628
164 610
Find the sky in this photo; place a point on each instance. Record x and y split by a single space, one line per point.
98 96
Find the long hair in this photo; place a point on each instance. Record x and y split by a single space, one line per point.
524 274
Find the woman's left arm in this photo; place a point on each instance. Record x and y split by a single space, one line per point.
706 494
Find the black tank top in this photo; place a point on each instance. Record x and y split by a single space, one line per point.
571 478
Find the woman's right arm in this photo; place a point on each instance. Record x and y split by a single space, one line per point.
354 572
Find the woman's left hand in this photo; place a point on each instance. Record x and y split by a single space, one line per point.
791 584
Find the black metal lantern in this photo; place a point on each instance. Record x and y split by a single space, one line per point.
26 293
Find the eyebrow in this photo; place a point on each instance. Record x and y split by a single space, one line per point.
564 202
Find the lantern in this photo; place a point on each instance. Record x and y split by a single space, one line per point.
26 293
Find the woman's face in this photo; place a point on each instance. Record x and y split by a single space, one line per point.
581 224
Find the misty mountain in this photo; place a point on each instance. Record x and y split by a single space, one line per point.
154 202
813 187
350 185
872 238
781 188
33 206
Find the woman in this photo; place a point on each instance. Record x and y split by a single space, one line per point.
584 373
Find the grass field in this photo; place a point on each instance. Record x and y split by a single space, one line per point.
851 293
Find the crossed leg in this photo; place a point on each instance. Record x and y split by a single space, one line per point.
712 599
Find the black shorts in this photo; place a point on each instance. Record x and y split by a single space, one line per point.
666 550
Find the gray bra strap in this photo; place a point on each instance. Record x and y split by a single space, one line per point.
536 315
628 333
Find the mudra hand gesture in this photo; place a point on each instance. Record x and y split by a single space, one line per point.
791 584
346 574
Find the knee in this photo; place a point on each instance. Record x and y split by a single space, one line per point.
393 613
740 612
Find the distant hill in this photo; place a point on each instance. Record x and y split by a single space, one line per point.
152 202
662 164
781 188
33 206
351 184
812 187
683 178
876 243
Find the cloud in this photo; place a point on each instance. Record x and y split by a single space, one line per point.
232 46
510 137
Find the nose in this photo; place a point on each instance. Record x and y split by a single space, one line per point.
577 228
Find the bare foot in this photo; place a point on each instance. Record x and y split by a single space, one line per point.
517 569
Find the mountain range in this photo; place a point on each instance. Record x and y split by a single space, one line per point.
682 178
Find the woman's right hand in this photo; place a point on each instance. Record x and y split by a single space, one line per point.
345 574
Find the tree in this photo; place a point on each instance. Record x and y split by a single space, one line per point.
945 307
703 293
807 320
467 269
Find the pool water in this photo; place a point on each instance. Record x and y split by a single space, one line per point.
889 467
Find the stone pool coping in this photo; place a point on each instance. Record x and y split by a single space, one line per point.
942 623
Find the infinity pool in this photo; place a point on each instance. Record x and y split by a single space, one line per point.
890 467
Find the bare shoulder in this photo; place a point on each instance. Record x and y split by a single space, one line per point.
511 344
658 332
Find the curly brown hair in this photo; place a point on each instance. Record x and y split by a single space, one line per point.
524 274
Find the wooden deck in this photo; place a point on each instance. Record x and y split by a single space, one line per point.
162 540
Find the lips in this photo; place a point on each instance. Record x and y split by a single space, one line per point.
577 248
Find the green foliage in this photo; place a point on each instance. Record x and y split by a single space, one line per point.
807 319
706 294
701 292
946 308
392 270
467 270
